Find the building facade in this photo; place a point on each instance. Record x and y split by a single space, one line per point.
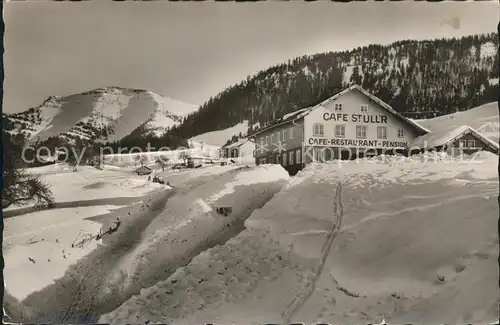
242 148
350 124
282 144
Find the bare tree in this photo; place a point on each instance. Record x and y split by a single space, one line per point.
162 161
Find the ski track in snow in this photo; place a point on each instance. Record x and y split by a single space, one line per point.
299 301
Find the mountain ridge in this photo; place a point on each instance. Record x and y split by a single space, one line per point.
103 114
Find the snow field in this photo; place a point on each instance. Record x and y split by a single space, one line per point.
406 225
47 238
89 183
391 170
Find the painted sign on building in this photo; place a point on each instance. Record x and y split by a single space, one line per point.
361 143
355 118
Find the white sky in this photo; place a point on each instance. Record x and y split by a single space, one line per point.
191 51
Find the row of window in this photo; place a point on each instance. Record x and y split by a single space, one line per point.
286 158
339 106
278 136
361 131
467 144
231 153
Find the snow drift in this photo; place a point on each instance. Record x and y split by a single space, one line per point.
417 244
155 238
189 224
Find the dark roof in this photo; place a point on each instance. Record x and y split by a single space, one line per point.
288 118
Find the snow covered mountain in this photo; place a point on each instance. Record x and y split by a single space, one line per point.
103 114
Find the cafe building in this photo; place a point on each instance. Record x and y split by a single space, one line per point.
351 124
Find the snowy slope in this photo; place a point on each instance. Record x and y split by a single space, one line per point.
168 113
106 114
417 244
220 137
483 119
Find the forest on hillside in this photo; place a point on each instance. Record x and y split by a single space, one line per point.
441 76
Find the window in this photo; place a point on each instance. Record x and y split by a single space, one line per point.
267 140
278 137
361 131
318 130
338 107
290 133
471 143
290 157
272 140
283 159
400 133
381 132
261 145
298 155
284 135
462 143
340 131
364 108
